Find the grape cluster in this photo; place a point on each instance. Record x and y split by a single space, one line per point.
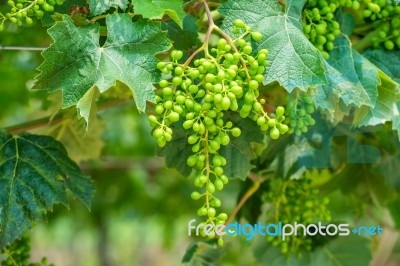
298 113
198 95
319 24
385 16
18 254
295 200
22 11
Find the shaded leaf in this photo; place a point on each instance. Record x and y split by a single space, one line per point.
387 61
386 106
202 254
350 250
35 174
185 38
177 151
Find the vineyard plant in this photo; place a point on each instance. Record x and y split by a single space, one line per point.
275 120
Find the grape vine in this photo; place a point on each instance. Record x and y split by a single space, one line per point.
295 200
277 111
226 78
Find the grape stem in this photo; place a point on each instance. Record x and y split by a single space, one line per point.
257 181
212 27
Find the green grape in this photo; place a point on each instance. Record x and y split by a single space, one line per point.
384 16
319 23
295 200
298 113
197 96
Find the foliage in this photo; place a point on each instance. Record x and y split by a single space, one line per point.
296 101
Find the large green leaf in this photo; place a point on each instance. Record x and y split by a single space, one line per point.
293 61
387 61
186 38
156 9
239 152
35 174
343 251
98 7
327 96
177 151
350 250
76 61
385 108
356 70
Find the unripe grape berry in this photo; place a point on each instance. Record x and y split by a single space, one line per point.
211 212
257 36
280 111
272 122
210 187
191 160
247 50
226 103
202 211
274 133
219 185
176 55
236 132
28 21
239 23
195 195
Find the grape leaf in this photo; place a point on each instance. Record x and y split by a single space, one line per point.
35 174
357 70
202 254
238 164
238 153
385 109
396 124
350 250
81 142
98 7
269 255
156 9
293 61
86 105
128 55
177 151
387 61
185 38
328 96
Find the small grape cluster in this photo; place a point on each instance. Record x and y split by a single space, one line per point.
295 200
18 254
319 24
22 11
225 79
385 16
298 113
